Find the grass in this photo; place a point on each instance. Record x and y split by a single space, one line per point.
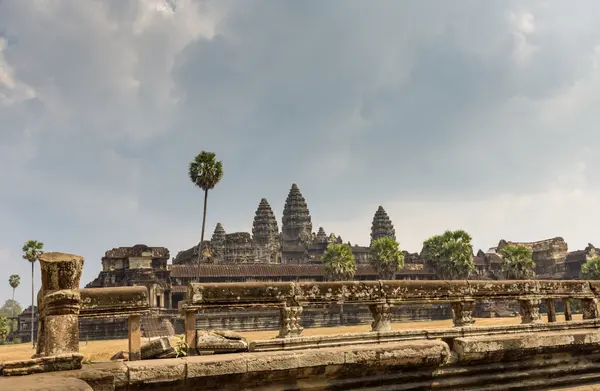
95 351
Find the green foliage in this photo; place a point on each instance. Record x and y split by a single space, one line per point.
4 328
450 254
32 250
386 257
205 171
14 281
590 270
339 262
181 348
517 262
10 307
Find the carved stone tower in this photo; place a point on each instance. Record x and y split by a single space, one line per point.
265 232
296 222
217 243
321 236
382 226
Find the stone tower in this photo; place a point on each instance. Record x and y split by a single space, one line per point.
217 243
296 222
382 225
265 232
321 236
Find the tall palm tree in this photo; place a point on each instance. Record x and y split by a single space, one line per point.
205 172
450 254
386 257
14 282
517 262
340 265
32 250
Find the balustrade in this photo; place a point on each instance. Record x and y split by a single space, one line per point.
382 296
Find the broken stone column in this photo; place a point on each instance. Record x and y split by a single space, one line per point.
289 322
551 307
463 313
190 331
382 317
530 310
60 304
135 337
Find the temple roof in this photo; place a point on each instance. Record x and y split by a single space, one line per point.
382 225
136 251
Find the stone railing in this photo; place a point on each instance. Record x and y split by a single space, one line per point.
130 302
381 296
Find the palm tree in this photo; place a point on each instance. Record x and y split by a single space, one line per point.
339 262
14 282
205 171
517 262
590 270
339 266
386 257
32 250
450 254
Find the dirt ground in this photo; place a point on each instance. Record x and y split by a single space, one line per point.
104 350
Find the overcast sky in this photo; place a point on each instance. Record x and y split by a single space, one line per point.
451 114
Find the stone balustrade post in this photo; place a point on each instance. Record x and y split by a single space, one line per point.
590 308
463 313
135 337
190 331
530 310
289 321
60 301
382 317
568 313
551 309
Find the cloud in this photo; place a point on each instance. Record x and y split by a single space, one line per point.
470 115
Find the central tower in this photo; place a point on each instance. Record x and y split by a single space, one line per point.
296 222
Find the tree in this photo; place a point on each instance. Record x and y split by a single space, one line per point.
590 270
32 251
517 262
14 282
205 171
339 262
386 257
450 254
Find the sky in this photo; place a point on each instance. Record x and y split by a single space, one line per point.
452 115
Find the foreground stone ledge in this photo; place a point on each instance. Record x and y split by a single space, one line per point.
168 370
517 346
63 362
43 383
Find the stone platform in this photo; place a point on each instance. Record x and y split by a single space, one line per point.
518 361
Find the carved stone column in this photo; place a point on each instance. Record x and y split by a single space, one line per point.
61 303
590 308
289 322
135 337
463 313
568 313
530 310
382 317
550 305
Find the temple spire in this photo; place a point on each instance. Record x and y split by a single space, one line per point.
296 220
382 225
264 228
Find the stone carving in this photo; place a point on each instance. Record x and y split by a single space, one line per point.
463 313
382 225
590 308
530 310
290 322
220 341
382 317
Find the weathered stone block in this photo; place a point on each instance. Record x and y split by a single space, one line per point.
156 371
201 366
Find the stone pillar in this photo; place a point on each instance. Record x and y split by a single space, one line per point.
550 305
590 308
382 317
190 331
463 313
135 337
530 310
568 313
61 302
289 321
